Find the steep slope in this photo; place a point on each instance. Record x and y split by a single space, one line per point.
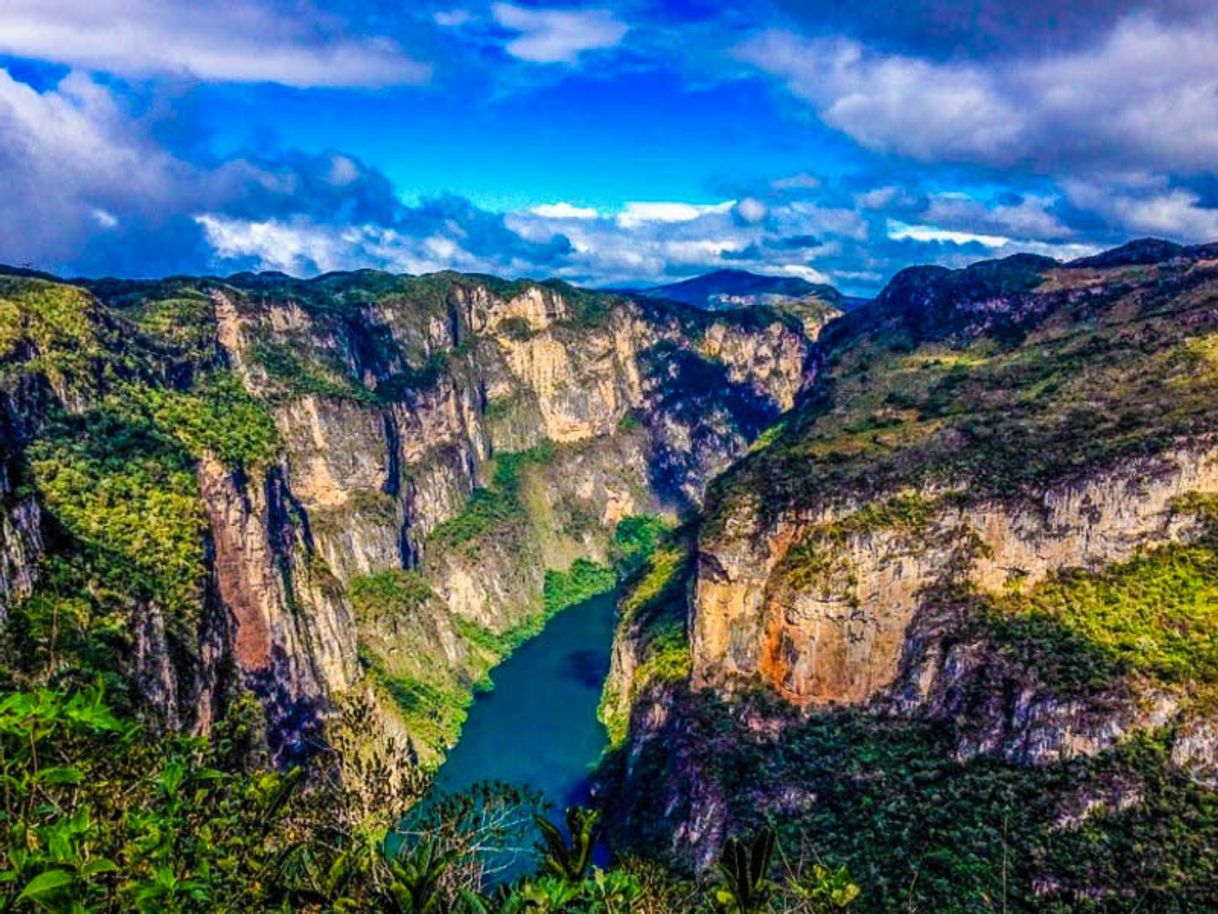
952 621
362 483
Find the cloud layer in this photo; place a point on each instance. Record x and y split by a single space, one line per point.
967 131
557 35
219 40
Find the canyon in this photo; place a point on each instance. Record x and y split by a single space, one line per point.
923 578
425 451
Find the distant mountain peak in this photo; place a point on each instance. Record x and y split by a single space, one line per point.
729 287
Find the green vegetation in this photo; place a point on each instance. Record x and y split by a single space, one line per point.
583 580
1153 617
389 594
918 829
114 471
54 318
127 495
119 480
397 612
563 589
811 311
516 328
993 400
432 706
919 399
569 856
178 317
744 874
99 816
296 372
494 506
432 697
217 417
587 309
58 332
629 423
635 540
657 566
817 559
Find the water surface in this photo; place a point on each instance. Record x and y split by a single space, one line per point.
538 726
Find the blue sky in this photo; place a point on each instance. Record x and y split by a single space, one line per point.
606 143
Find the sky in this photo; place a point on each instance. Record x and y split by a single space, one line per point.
620 142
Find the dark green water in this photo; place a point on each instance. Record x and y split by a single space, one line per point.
538 726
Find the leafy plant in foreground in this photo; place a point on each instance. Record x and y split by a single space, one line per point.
743 871
568 860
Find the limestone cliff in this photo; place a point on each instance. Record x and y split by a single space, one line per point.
371 474
986 529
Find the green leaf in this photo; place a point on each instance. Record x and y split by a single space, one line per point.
42 887
61 774
97 866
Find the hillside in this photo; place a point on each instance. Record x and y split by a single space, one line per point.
951 622
362 482
723 288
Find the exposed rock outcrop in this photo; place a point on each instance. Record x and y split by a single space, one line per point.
954 538
393 400
838 636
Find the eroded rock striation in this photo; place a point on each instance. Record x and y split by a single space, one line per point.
982 543
351 484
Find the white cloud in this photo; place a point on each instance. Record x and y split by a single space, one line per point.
882 197
557 35
635 214
1145 205
893 103
303 246
564 210
277 245
451 18
811 274
1030 217
72 162
751 210
342 170
899 230
801 181
211 40
800 216
105 218
997 245
1145 95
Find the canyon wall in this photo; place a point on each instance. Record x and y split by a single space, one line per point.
987 523
437 444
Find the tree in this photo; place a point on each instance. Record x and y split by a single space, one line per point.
569 861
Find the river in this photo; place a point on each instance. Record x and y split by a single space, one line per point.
538 726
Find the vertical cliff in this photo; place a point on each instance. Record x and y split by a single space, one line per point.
969 580
358 483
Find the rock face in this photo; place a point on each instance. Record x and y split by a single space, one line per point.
20 548
468 432
959 529
839 637
292 631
